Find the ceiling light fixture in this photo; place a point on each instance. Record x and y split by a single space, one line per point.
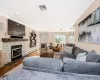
42 7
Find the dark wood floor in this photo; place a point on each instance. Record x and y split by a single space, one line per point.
9 67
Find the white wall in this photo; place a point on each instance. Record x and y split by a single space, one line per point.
3 29
4 34
44 37
27 36
87 46
38 39
47 37
53 34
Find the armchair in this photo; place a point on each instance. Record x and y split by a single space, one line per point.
57 48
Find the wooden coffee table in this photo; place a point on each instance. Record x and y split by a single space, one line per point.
48 54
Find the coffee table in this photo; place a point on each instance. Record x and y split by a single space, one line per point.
49 53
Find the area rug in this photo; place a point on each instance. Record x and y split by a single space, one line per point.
12 71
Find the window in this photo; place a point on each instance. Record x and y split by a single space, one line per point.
60 39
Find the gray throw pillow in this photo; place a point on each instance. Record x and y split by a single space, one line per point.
78 50
80 67
92 57
43 63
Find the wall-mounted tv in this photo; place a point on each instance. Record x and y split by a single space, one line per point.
15 29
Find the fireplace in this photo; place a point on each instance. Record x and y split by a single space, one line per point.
16 52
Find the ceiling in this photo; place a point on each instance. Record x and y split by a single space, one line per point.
59 16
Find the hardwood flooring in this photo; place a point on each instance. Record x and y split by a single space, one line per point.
9 67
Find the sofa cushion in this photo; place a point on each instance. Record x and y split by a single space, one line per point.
66 54
78 50
93 57
43 63
80 67
68 49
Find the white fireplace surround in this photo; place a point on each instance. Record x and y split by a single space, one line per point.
7 50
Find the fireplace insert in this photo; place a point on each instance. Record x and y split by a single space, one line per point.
16 52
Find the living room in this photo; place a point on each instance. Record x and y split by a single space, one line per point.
44 40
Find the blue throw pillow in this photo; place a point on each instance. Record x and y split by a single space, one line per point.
93 57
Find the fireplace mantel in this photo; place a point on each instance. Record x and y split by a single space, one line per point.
13 39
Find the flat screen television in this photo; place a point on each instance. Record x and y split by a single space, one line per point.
15 29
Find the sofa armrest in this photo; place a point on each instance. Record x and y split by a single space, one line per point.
80 67
43 63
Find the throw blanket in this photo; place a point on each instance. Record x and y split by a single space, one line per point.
24 74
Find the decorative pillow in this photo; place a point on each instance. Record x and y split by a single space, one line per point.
81 67
78 50
68 49
81 56
43 63
73 50
92 57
